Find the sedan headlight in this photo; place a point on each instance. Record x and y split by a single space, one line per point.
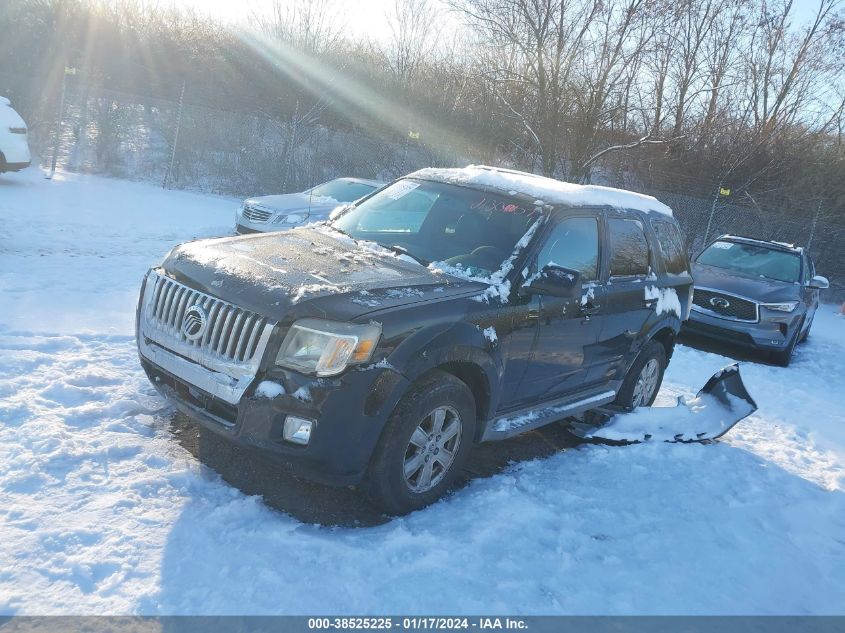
326 348
786 306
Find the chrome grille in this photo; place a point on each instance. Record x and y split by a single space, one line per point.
725 305
256 214
222 359
231 333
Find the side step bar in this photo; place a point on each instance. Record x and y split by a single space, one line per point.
510 424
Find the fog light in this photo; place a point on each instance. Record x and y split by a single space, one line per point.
297 430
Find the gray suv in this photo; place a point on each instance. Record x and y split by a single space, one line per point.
756 294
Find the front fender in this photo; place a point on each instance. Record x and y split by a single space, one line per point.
438 345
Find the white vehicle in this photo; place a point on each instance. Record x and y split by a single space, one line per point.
14 150
284 211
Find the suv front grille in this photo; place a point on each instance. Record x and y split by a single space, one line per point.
256 214
725 305
231 333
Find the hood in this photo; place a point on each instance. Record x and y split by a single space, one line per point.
290 202
8 116
757 288
272 273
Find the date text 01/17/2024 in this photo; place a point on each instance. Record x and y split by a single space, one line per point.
416 623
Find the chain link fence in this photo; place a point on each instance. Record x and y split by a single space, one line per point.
181 144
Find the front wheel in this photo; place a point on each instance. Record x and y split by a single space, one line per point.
424 445
643 380
784 357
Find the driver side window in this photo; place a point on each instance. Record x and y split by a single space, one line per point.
574 244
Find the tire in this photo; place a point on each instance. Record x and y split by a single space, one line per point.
806 333
784 357
649 367
409 443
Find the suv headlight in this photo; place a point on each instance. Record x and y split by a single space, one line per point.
786 306
326 348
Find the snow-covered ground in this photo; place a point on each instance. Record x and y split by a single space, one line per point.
102 512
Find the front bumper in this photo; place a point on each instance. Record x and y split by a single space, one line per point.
349 414
242 229
770 333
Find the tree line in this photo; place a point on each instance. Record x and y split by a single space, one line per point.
698 96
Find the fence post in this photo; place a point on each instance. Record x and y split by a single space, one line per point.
59 114
175 137
712 211
813 225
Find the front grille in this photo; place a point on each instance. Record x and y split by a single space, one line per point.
696 327
256 214
725 305
231 333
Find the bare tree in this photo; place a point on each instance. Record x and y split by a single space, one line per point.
314 26
529 50
413 29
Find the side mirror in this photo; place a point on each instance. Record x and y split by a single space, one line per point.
819 282
555 281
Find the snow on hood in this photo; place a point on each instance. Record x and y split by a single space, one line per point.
271 272
545 190
8 116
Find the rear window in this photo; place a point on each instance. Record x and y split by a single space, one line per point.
671 246
628 248
753 260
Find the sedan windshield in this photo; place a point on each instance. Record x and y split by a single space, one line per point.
431 221
753 260
342 190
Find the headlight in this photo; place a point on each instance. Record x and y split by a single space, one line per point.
786 306
280 219
326 348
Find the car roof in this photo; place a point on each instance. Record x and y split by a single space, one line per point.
780 246
542 190
363 181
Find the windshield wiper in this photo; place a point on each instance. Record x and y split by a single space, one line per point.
334 228
401 250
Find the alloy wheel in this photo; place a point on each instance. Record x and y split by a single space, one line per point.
432 449
646 383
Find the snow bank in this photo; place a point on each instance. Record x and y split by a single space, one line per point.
546 190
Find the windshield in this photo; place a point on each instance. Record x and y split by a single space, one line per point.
750 259
342 190
433 221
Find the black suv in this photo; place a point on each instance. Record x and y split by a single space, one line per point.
452 307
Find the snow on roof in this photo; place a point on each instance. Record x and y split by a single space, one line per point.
752 240
545 190
8 116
